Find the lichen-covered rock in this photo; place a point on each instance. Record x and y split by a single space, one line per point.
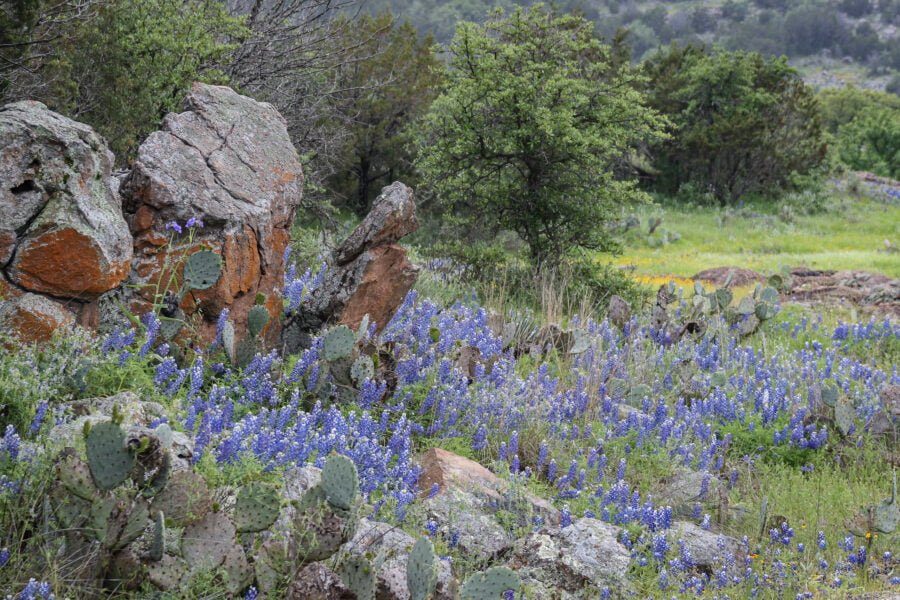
62 232
371 274
229 162
34 318
390 547
574 562
708 550
467 500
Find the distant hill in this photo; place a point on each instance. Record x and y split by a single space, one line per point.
832 43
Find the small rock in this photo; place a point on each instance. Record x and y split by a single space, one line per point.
685 488
34 318
619 312
371 275
318 582
574 562
708 549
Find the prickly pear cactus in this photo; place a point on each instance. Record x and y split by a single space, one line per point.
76 477
830 394
256 508
886 515
246 350
109 459
202 270
338 343
490 584
169 327
765 311
158 539
723 298
844 415
207 542
358 575
363 368
257 319
228 341
184 499
340 481
421 570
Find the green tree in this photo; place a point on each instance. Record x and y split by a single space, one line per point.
839 106
527 134
742 124
386 82
871 142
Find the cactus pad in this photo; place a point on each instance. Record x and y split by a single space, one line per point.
340 481
765 310
239 571
421 570
723 298
363 368
228 340
257 319
202 270
245 352
256 508
358 575
207 542
338 343
168 573
830 394
108 457
490 584
184 499
158 539
844 415
169 327
75 475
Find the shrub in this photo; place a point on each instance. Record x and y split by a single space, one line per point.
741 124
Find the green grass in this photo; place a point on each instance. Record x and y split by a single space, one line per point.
850 235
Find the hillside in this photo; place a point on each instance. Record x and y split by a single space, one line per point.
833 43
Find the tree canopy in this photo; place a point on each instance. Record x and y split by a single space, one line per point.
535 116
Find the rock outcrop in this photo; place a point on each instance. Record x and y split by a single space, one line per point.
228 162
573 562
463 498
371 273
62 233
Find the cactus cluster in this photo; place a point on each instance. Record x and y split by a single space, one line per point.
745 317
125 507
348 365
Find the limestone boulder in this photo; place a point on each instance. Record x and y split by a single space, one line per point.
709 551
574 562
62 232
227 162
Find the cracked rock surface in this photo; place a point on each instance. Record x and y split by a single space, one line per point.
228 161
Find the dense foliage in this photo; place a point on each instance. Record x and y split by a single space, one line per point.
526 135
741 124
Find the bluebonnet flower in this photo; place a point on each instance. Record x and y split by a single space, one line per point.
4 556
39 415
565 516
152 324
251 593
35 590
174 226
193 222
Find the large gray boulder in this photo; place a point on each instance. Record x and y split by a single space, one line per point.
573 562
229 162
62 232
709 551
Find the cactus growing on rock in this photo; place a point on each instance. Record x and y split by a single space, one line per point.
490 584
358 575
340 481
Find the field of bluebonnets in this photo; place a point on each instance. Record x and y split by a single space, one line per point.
785 428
